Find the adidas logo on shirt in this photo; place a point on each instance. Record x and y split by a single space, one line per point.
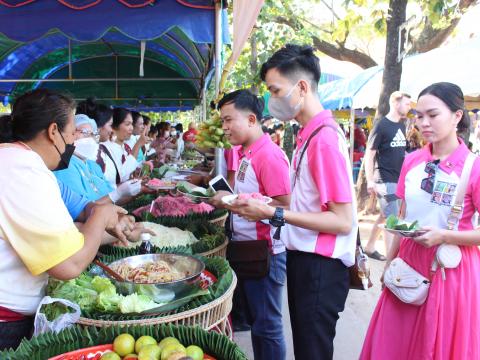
399 140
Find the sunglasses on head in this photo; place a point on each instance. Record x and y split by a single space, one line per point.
429 182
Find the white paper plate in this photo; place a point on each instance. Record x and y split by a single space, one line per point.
229 199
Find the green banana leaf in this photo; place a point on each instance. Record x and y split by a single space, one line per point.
50 344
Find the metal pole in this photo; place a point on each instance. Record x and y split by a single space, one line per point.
218 46
69 59
116 77
204 105
94 79
352 131
146 99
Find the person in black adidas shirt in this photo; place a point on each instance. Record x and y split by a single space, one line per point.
383 160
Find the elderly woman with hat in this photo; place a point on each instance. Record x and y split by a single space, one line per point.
84 176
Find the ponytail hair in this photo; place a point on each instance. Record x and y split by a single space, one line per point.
101 113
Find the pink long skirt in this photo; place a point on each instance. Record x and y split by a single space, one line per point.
445 327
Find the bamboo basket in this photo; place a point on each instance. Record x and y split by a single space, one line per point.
211 316
220 221
218 251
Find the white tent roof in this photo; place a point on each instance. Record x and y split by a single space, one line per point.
458 64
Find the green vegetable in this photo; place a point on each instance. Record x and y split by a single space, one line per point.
108 301
52 311
391 222
414 226
158 295
135 304
102 284
395 223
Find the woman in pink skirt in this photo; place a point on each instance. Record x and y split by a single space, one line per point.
447 325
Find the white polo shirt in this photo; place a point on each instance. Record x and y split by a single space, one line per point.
263 168
325 175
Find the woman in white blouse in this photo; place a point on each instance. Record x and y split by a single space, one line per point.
117 159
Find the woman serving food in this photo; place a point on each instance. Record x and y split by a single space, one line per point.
38 237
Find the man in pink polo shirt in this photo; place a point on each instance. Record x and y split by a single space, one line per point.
263 168
321 225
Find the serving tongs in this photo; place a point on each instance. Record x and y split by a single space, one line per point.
111 272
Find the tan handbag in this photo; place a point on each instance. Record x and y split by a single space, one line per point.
408 284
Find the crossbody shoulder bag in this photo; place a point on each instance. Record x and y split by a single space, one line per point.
105 150
409 285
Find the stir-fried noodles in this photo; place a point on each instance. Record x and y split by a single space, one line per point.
149 273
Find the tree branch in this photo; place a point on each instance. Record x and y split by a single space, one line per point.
343 54
431 38
331 9
338 51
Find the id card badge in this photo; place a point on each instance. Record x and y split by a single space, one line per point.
242 170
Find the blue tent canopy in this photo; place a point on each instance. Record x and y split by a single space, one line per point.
340 94
97 50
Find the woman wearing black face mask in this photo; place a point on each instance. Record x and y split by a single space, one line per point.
38 238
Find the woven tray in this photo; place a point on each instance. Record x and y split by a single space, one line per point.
218 251
220 221
213 315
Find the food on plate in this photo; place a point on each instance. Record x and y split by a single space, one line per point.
188 189
124 344
394 223
167 236
110 356
173 206
173 351
229 199
149 352
256 196
146 348
195 352
143 341
157 184
149 273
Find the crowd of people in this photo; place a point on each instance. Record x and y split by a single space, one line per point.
66 167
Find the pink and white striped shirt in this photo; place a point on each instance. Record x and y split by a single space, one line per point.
325 175
263 168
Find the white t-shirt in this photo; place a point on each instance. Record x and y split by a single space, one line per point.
36 230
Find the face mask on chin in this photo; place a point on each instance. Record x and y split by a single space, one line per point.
65 156
87 147
280 108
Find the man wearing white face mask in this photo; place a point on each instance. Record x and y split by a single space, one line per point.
321 224
84 176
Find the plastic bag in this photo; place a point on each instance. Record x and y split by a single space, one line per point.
42 324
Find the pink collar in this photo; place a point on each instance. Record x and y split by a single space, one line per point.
252 149
454 162
324 117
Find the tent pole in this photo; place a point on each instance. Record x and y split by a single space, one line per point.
93 79
116 76
352 132
204 105
218 45
69 59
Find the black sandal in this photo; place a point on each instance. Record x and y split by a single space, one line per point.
376 255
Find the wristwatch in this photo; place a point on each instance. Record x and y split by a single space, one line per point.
277 220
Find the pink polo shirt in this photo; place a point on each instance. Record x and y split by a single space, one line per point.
433 209
325 175
263 168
